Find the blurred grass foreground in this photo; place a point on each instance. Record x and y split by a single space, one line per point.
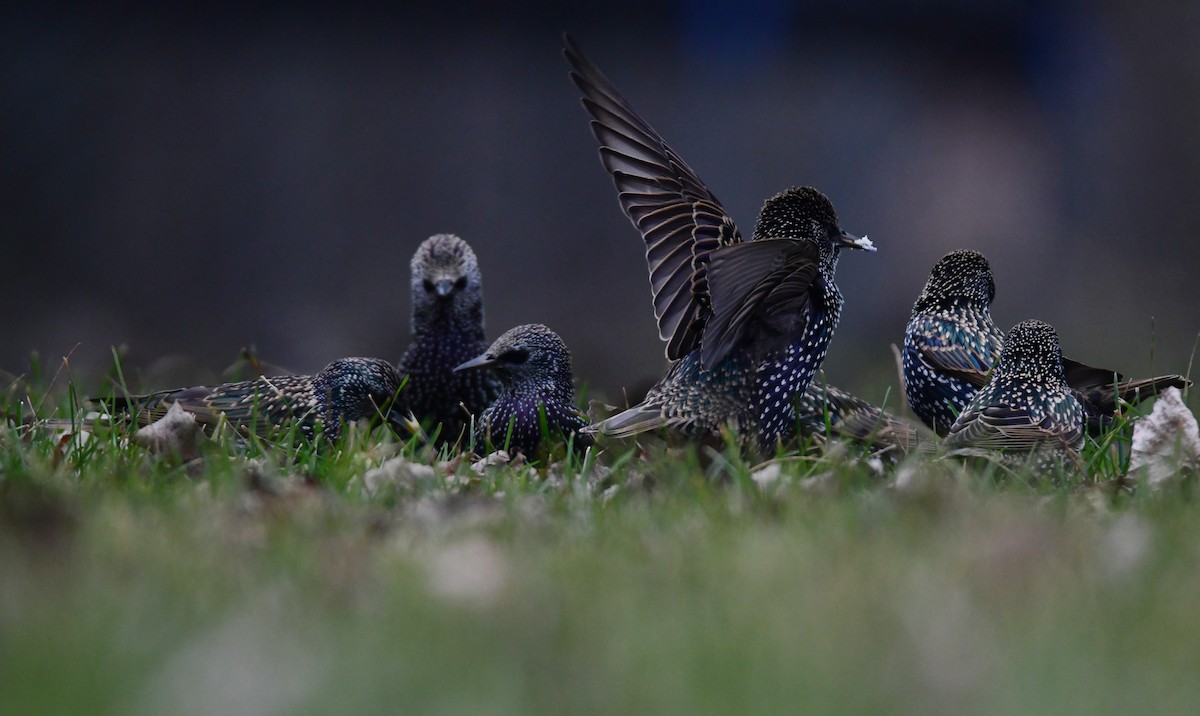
374 578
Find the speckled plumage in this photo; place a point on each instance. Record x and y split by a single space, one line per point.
537 398
447 328
825 409
1026 405
346 390
951 343
951 340
747 324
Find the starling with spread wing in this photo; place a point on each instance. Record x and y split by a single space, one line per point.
747 323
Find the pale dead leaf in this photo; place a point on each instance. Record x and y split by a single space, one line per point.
176 433
1165 442
767 475
397 472
497 459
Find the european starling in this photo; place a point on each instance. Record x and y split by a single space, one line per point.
824 409
1026 405
447 328
951 343
747 324
951 340
346 390
537 399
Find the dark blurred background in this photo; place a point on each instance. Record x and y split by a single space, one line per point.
188 182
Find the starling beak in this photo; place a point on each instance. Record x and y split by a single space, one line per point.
951 343
537 398
747 323
345 391
1026 406
447 327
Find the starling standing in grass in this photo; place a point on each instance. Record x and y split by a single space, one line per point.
1026 405
347 390
537 399
951 343
447 327
747 324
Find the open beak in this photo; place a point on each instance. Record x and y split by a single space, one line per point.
851 241
476 362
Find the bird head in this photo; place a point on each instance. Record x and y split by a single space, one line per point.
805 213
960 276
525 355
447 286
360 388
1031 349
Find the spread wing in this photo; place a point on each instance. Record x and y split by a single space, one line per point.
947 348
679 218
764 279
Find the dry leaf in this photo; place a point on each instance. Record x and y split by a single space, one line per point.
496 459
397 472
176 433
1166 441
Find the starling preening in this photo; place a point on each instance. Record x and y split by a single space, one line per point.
537 398
447 328
747 324
1026 405
345 391
951 343
824 409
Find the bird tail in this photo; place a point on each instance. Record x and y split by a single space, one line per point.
1130 391
1105 398
1101 392
854 418
635 420
145 408
882 430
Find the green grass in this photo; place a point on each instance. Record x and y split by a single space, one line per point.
266 580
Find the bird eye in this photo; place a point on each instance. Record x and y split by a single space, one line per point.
428 286
515 356
461 283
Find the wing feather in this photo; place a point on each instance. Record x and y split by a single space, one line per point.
941 346
758 278
680 219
